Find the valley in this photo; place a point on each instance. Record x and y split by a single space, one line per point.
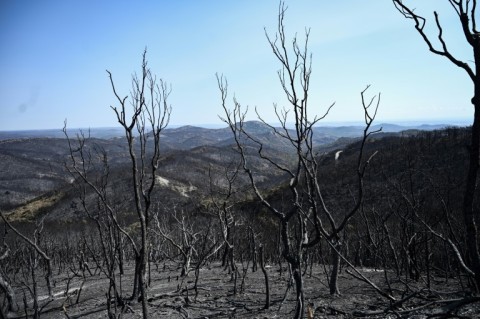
198 174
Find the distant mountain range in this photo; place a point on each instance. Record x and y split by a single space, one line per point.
33 162
104 133
193 136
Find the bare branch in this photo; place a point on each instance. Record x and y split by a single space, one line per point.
420 25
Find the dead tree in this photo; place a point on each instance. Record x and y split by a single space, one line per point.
306 219
142 126
11 302
209 245
151 114
223 202
35 245
185 240
265 274
89 166
466 11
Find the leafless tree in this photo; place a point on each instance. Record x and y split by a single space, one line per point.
265 275
89 165
306 219
32 257
222 200
183 237
466 11
149 115
34 244
11 304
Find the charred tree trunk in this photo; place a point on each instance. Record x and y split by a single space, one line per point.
7 289
470 212
300 298
136 279
225 256
253 244
294 257
9 294
333 284
265 274
187 259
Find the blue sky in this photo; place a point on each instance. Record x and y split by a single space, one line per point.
53 57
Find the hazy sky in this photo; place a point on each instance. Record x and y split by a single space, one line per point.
53 57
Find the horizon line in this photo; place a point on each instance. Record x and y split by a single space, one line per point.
404 122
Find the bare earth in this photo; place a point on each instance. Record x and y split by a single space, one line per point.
216 299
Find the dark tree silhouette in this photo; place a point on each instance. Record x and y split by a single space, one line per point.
466 11
150 113
307 218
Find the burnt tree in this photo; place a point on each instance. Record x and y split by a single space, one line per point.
466 11
142 117
306 218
